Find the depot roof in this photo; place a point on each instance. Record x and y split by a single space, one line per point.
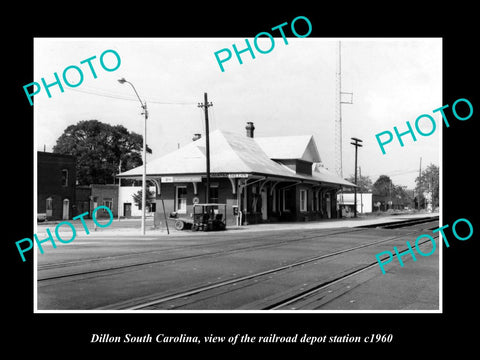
235 153
290 147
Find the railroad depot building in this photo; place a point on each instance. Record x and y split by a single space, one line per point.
268 179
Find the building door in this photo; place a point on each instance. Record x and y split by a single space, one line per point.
264 205
49 206
127 209
84 207
66 208
181 200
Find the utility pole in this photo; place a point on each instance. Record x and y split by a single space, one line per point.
361 192
205 106
119 186
420 183
356 144
390 193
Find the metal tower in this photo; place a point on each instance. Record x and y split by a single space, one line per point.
338 113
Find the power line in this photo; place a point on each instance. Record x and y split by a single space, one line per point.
393 174
105 95
121 97
171 103
396 173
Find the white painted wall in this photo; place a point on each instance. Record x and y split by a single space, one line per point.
125 195
364 199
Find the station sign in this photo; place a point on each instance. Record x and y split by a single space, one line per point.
229 175
175 179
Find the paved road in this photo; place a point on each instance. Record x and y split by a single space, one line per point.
114 271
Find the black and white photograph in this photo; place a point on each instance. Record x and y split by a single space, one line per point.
230 181
293 184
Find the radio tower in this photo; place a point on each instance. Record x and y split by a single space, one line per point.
338 113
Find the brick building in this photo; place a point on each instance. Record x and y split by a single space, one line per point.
56 178
88 197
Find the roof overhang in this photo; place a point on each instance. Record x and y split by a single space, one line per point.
193 177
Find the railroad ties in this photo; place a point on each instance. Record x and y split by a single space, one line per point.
313 269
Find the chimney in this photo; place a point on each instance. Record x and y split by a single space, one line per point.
196 137
250 128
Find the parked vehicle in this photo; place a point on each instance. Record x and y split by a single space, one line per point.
205 217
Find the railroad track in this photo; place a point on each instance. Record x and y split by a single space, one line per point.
189 297
138 259
401 223
202 246
316 292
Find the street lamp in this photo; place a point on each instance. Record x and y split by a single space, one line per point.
144 175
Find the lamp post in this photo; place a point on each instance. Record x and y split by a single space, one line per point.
144 175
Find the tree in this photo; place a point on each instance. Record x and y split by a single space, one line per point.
364 183
99 149
391 195
401 196
428 183
383 186
137 198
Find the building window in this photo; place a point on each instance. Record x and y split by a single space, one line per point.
49 206
108 202
303 200
181 199
64 177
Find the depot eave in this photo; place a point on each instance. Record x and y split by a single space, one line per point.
237 155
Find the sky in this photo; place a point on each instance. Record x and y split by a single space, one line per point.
288 91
